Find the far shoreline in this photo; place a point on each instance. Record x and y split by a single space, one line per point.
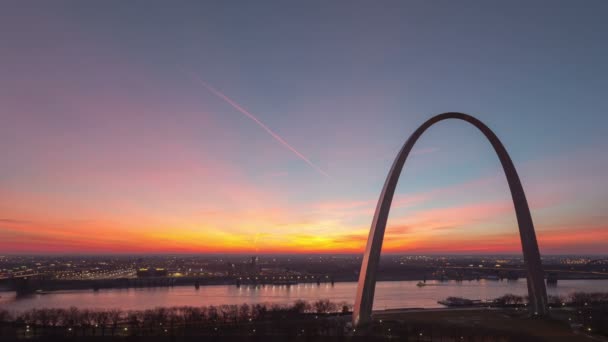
66 286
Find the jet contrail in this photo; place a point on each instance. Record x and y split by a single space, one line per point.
260 123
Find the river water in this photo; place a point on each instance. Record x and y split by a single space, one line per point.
389 294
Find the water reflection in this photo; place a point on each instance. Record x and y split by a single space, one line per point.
394 294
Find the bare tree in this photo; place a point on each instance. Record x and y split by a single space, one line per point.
86 320
71 317
259 311
29 318
301 306
134 320
55 316
43 318
232 313
346 307
115 317
212 314
244 312
172 317
510 299
149 321
324 306
197 316
101 319
191 316
227 312
161 316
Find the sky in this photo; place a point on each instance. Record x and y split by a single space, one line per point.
270 126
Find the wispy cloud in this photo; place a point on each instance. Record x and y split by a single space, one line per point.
248 114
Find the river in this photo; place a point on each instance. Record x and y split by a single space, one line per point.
389 294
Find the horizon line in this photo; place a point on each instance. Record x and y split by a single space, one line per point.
285 254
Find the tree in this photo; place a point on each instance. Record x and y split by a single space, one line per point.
228 312
134 319
86 320
301 306
346 308
172 317
55 316
191 316
509 299
29 318
161 316
212 313
101 318
244 312
42 317
259 311
324 306
115 316
71 317
195 316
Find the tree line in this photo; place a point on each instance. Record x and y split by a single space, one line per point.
110 322
319 318
574 299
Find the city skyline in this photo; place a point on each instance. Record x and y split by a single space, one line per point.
204 136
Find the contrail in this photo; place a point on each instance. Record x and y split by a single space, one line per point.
260 123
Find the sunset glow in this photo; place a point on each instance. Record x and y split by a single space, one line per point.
108 146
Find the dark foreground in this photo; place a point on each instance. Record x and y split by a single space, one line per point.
407 325
581 317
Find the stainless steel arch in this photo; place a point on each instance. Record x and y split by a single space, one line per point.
367 277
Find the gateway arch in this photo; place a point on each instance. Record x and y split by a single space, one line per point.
367 277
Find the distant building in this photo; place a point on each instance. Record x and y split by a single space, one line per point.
151 272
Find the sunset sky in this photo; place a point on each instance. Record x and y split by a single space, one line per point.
204 127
